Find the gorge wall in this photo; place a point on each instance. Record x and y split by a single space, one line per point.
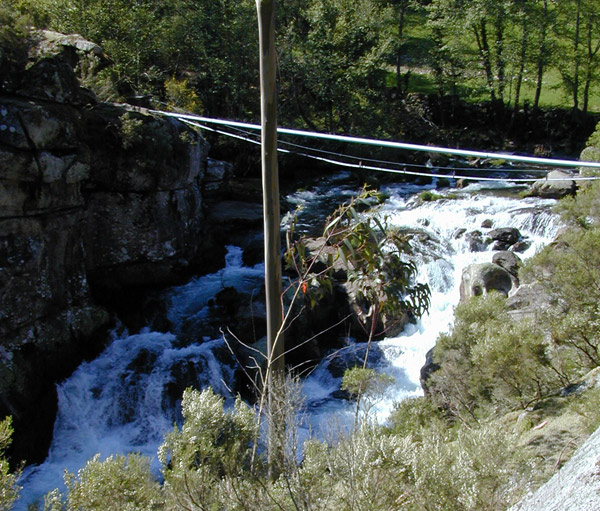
98 202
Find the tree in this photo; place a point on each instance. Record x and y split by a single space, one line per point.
541 21
577 28
333 65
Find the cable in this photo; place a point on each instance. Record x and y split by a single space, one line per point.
383 169
386 143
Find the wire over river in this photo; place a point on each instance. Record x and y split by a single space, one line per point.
336 158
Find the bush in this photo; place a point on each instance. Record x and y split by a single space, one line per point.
480 471
9 490
119 483
15 39
569 271
211 452
490 359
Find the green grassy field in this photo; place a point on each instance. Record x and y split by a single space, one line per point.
416 60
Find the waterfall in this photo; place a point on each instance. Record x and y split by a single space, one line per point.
125 400
441 253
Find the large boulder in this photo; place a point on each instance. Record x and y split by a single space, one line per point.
509 261
575 487
480 279
557 184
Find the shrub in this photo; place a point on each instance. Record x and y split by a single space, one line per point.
119 483
569 271
9 490
15 39
180 96
212 448
490 359
480 470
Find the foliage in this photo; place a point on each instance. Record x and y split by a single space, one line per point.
15 39
119 483
373 257
9 489
479 470
212 444
416 417
490 361
180 95
332 56
366 386
570 274
429 196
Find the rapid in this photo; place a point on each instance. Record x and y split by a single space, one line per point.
125 400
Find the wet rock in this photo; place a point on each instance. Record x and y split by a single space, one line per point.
427 370
475 241
520 246
503 238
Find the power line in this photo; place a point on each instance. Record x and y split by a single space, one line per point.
403 171
387 143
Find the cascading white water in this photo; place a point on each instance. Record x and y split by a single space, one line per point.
124 401
440 255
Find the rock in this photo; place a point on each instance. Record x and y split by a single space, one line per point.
459 232
503 238
236 213
480 279
84 57
325 257
97 205
575 487
509 261
427 370
475 241
527 300
58 63
487 224
520 246
558 184
216 177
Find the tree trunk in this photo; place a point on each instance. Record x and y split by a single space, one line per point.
541 57
484 53
399 90
576 58
524 42
270 180
499 50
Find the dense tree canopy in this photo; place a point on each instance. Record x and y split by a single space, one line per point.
344 66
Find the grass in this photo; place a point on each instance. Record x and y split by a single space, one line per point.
416 50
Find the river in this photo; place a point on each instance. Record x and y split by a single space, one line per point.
124 400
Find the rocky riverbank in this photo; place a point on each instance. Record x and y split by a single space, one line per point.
98 203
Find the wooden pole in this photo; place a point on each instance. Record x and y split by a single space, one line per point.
270 181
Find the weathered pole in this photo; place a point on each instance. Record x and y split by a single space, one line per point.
270 182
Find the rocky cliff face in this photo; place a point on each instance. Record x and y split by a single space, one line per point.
97 202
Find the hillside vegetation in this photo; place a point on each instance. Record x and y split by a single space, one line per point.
344 65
